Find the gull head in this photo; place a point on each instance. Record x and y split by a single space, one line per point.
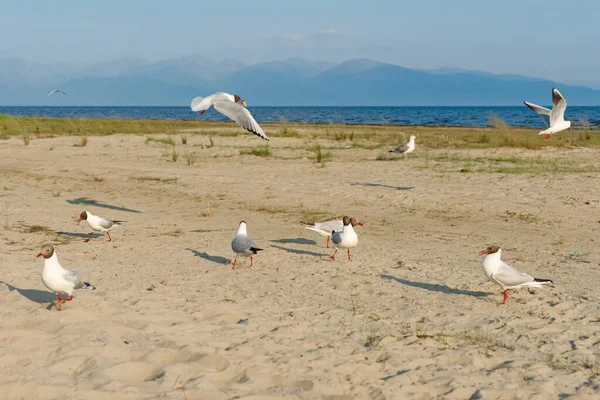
355 222
47 251
413 137
346 220
238 99
489 250
82 216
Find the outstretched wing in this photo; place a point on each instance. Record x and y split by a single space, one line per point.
241 115
559 105
543 112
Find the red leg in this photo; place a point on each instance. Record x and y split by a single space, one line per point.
203 111
58 307
547 137
327 243
109 238
88 239
69 299
505 296
234 261
349 259
333 255
250 260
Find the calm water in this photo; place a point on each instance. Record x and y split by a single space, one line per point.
432 116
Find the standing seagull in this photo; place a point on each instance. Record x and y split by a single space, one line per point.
504 275
409 147
226 104
326 228
242 245
59 279
346 239
56 91
555 118
98 224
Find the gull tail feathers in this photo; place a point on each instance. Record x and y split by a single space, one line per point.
196 102
542 280
88 286
255 250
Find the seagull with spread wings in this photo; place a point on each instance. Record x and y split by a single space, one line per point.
555 118
56 91
227 104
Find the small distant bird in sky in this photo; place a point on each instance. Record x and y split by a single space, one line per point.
56 91
227 104
555 118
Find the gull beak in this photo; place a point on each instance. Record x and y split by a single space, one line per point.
483 252
360 223
39 255
243 102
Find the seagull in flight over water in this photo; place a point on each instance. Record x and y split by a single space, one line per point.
555 118
56 91
227 104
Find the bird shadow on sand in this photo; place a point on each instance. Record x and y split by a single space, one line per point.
38 296
436 288
206 256
382 185
295 251
79 235
91 202
295 241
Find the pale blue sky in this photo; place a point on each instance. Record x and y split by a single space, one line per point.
509 36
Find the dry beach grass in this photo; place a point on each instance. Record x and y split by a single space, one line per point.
411 317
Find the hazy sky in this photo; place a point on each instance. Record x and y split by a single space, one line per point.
508 36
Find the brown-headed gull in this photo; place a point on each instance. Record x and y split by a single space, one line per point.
346 239
59 279
98 224
242 245
504 275
409 147
326 228
555 118
56 91
227 104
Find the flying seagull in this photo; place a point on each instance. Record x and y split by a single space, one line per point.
409 147
226 104
555 118
56 91
504 275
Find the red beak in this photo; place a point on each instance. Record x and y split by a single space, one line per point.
483 252
360 223
39 255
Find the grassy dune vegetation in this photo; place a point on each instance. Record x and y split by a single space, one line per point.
443 149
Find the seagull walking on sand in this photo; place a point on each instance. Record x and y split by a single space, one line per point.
98 224
227 104
504 275
326 228
346 239
555 118
242 245
56 91
59 279
406 148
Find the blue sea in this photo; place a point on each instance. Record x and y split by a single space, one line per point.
429 116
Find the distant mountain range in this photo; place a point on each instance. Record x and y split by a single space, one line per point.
292 82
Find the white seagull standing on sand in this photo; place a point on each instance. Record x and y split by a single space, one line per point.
56 91
555 118
98 224
409 147
226 104
504 275
59 279
326 228
346 239
242 245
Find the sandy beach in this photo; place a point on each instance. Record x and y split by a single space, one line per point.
412 316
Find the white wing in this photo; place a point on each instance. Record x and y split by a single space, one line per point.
559 105
201 104
56 91
543 112
51 92
333 225
509 276
241 115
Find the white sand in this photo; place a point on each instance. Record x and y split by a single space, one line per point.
411 317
